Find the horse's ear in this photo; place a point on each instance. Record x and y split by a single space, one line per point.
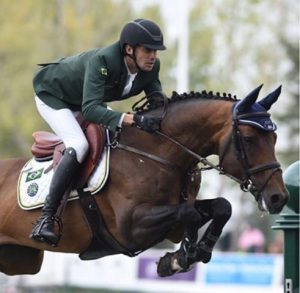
270 99
250 99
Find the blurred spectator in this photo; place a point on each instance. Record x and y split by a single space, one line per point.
251 240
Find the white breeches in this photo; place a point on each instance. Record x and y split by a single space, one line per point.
66 127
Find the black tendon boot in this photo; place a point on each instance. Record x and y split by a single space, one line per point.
44 229
206 244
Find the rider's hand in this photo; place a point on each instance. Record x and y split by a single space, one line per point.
128 119
148 124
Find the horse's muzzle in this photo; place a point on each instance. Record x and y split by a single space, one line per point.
274 203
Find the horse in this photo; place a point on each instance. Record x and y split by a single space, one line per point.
150 194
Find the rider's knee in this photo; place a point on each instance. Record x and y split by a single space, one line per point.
223 208
81 148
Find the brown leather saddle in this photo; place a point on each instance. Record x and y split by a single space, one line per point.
48 146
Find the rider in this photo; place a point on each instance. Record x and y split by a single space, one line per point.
84 83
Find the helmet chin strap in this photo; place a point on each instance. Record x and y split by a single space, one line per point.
133 57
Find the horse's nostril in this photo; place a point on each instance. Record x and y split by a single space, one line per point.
276 202
275 198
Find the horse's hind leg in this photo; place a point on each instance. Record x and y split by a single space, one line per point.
17 259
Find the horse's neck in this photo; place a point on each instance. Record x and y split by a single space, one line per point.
199 125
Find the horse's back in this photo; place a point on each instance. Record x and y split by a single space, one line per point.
9 173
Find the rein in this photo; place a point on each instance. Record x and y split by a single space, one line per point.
144 154
200 159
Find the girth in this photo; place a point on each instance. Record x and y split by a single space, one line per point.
102 242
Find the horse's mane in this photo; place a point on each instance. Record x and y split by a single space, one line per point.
202 95
156 100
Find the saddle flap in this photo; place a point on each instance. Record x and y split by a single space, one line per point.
96 138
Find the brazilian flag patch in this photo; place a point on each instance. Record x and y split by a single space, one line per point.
103 71
34 175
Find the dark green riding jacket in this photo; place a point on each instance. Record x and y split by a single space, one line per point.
85 82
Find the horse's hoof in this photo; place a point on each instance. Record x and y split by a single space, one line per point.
164 268
183 261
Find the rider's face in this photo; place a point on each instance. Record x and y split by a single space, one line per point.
145 58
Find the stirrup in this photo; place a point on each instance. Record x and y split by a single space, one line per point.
35 234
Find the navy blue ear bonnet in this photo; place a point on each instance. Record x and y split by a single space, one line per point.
250 112
256 116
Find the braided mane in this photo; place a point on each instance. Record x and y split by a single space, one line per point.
155 100
202 95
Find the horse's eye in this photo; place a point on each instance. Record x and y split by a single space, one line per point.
248 139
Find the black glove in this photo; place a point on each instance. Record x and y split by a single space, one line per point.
148 124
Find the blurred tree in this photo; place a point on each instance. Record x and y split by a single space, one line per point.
290 117
289 39
33 32
202 32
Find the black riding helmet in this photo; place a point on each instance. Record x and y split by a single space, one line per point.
144 33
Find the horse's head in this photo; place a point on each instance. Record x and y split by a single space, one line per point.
248 152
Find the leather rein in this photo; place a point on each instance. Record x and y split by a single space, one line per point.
246 184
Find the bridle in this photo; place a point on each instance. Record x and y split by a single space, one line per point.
246 183
236 137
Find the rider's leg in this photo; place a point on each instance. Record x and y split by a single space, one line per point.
66 127
64 124
62 178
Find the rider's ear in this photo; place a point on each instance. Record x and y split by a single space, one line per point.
250 99
270 99
128 49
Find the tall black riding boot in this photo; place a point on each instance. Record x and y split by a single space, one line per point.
44 229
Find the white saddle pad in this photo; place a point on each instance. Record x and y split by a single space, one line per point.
35 178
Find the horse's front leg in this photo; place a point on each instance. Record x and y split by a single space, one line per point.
219 210
191 250
182 259
152 224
